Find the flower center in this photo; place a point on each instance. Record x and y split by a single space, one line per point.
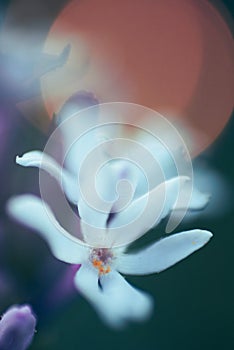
101 259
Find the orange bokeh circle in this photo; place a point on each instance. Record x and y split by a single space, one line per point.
175 57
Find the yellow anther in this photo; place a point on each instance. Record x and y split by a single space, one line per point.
97 263
108 269
100 259
101 270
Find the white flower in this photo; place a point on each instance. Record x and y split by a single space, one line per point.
103 253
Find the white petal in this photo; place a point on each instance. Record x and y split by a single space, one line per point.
93 209
144 213
161 155
162 164
93 135
111 182
127 301
190 199
96 202
32 212
115 301
41 160
164 253
197 201
77 120
79 141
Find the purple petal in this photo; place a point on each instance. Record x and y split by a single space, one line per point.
17 328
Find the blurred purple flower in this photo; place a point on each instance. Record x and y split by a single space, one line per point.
64 288
17 328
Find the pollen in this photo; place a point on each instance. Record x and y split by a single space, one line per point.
97 263
101 259
101 267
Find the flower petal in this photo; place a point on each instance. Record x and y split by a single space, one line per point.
34 213
78 142
162 152
17 328
41 160
93 209
127 301
144 213
164 253
114 299
190 199
161 159
197 201
97 200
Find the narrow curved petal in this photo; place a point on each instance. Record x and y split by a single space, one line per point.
114 299
34 213
164 253
198 199
190 199
145 212
43 161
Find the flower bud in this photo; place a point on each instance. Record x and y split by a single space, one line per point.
17 328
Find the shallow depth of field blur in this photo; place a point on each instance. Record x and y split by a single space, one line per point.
176 57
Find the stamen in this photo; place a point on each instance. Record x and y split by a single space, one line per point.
101 259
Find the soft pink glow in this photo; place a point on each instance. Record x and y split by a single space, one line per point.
174 57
